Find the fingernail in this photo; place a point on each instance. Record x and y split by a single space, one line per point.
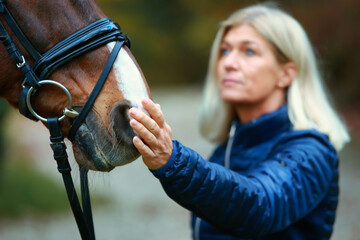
132 111
146 101
133 122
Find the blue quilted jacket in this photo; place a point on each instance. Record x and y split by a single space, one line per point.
268 181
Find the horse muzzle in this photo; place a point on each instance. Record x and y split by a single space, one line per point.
102 148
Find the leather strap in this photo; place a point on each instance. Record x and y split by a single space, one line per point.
59 149
23 108
18 58
86 203
18 32
31 79
87 107
93 36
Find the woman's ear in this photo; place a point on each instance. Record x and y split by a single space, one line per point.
289 71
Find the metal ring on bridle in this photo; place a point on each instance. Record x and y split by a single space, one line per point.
29 94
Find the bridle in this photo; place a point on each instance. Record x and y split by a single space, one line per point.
91 37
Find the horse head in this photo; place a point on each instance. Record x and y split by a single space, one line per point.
104 139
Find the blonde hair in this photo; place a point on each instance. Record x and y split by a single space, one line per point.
308 105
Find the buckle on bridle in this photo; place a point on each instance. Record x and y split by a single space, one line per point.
22 63
57 143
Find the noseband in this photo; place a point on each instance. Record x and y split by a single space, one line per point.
91 37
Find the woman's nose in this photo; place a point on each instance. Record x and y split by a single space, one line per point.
231 61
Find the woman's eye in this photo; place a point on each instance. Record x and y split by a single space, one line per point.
224 51
249 52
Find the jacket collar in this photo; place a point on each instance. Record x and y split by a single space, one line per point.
263 128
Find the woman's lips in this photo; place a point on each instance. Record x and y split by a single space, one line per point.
231 81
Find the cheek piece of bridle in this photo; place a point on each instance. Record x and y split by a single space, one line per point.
93 36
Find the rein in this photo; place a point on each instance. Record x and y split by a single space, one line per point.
92 36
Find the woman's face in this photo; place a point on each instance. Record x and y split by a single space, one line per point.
248 71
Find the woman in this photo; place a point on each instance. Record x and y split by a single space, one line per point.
274 174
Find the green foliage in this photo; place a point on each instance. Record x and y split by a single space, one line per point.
26 191
4 107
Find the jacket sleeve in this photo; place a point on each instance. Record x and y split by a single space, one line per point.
278 192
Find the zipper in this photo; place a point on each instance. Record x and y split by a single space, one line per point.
197 228
229 145
226 165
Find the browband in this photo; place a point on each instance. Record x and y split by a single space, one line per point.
93 36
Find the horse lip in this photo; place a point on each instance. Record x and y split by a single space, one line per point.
102 148
85 140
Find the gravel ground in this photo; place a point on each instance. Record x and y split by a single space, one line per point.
140 208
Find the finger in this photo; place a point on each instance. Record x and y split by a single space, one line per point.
144 133
154 111
145 120
144 150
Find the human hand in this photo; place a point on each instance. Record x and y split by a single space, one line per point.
155 144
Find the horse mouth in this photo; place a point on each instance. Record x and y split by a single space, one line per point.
101 148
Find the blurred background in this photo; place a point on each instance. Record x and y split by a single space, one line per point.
171 41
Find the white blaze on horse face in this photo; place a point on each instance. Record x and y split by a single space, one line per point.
129 78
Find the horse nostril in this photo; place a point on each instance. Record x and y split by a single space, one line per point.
119 118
